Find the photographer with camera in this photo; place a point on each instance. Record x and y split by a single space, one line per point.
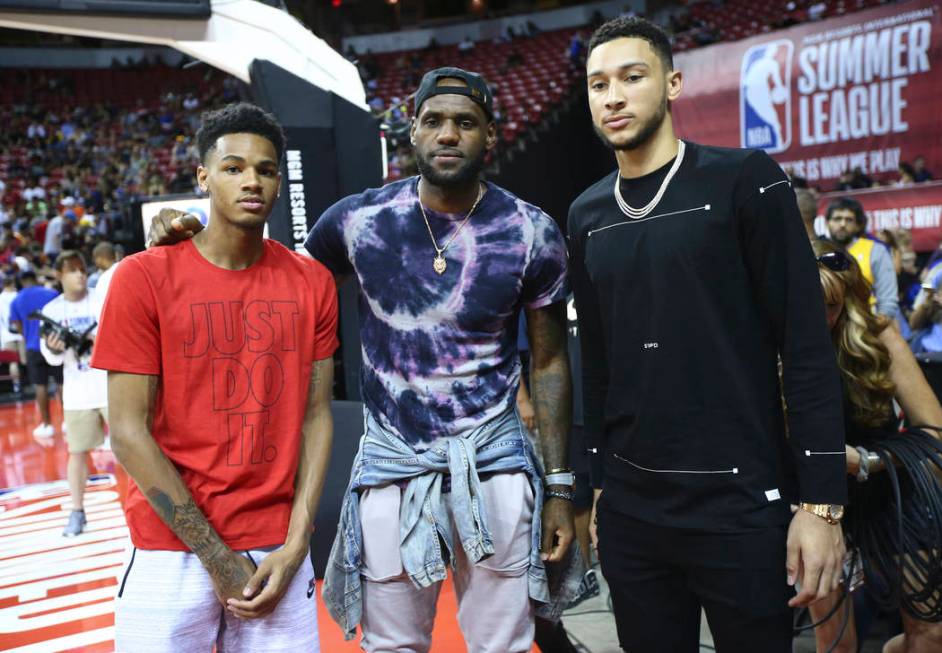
84 390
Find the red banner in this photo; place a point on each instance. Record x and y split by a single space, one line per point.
861 90
917 207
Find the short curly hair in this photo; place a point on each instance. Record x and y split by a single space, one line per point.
847 204
238 118
634 27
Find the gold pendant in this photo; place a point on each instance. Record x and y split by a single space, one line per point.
439 264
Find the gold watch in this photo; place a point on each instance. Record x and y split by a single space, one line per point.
830 512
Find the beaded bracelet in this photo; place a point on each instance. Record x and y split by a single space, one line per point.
558 494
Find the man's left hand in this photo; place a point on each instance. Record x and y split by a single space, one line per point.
527 414
853 460
815 557
267 585
558 529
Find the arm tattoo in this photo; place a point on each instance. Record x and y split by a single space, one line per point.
551 386
189 524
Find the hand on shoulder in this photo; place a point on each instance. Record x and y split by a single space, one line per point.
171 226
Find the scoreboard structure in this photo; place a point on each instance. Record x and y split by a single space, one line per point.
165 8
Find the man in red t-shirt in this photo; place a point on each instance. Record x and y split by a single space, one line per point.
219 398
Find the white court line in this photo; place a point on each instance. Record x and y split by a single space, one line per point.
38 589
71 553
52 538
68 642
26 524
30 510
17 576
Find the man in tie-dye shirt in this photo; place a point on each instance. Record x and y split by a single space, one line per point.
440 354
445 263
440 351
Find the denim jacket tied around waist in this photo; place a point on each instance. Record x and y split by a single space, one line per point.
430 515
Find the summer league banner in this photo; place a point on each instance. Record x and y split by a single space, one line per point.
917 207
862 90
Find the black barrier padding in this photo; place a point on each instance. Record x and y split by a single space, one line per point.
562 159
340 154
306 114
359 166
348 427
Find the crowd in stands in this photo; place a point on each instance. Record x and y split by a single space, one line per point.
71 163
906 285
527 62
907 174
391 78
709 21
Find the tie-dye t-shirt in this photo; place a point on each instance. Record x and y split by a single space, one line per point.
440 352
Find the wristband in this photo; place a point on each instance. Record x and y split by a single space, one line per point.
558 494
560 478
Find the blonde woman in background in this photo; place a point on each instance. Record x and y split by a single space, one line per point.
877 367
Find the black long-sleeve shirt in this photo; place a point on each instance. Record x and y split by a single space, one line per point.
683 316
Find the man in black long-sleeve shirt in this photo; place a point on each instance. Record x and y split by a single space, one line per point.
693 276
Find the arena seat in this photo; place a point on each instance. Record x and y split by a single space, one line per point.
738 19
523 93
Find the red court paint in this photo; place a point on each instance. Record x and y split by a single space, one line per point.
56 593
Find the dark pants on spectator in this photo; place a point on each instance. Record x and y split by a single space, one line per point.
661 576
38 371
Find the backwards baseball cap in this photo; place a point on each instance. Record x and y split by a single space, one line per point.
476 88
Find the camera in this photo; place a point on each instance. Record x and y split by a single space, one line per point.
74 340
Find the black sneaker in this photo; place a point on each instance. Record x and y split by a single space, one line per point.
76 524
588 588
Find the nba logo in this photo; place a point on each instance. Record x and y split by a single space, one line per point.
765 97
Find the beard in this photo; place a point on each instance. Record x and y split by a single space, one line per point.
468 172
843 240
645 132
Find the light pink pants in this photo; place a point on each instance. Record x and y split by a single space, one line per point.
494 609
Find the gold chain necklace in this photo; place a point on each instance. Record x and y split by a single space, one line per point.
438 263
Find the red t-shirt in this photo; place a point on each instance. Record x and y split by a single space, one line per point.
39 232
234 351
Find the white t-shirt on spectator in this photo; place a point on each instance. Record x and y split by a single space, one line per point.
83 387
53 244
22 263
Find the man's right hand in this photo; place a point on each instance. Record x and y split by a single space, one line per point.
55 343
230 573
171 226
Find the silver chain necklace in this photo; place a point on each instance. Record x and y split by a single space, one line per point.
637 214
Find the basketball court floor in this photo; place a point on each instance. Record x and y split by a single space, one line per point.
57 594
